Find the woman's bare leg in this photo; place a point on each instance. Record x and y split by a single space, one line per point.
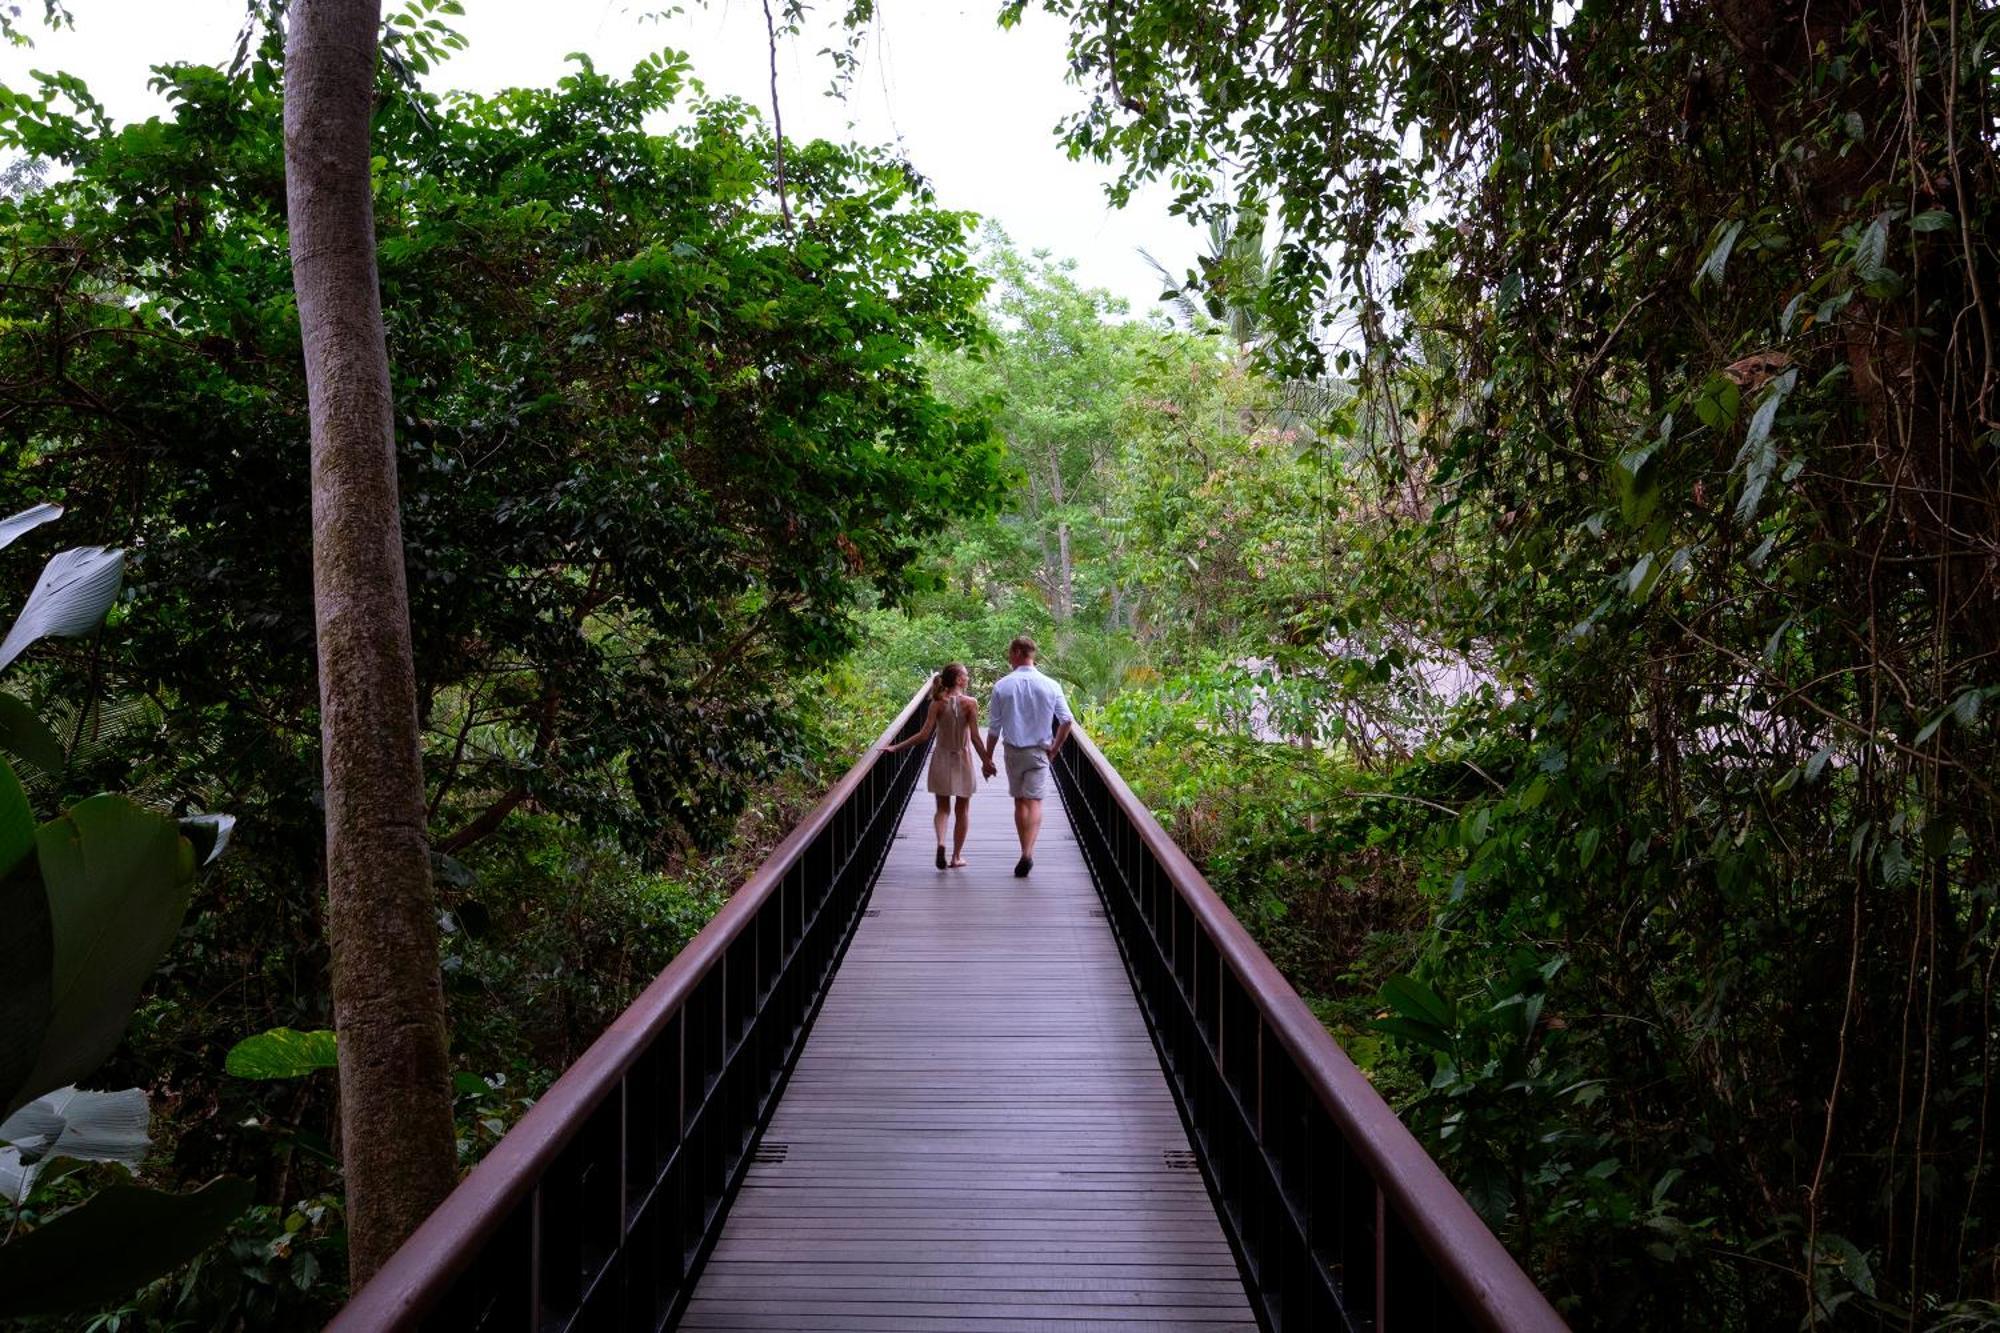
941 818
958 833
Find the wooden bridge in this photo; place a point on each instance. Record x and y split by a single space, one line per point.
873 1095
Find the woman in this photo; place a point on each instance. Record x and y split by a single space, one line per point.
954 716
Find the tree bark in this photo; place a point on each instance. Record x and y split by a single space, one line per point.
1065 580
395 1106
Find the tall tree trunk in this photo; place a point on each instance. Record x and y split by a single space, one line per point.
1065 573
395 1105
1066 584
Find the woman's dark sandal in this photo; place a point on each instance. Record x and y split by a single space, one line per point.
1023 866
940 858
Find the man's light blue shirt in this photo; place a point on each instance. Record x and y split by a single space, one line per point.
1026 708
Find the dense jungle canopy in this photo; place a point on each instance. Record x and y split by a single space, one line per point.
1542 563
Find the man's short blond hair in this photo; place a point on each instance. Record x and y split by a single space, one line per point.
1024 645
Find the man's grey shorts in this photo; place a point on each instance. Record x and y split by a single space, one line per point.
1027 771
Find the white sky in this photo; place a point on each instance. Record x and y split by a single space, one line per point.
974 107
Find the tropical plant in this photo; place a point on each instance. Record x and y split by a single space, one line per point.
93 899
1229 278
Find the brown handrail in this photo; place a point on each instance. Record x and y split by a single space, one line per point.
1486 1285
418 1276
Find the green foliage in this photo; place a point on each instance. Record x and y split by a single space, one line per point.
118 880
1672 334
561 930
120 1238
1158 482
278 1267
1589 705
652 450
1263 818
274 1268
1054 378
94 897
658 445
24 735
282 1053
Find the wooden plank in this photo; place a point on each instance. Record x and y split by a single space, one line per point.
1094 1279
973 1273
973 1319
1020 1305
977 1135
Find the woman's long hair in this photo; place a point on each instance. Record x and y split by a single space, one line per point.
950 674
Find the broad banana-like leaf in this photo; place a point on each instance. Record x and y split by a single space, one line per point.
17 822
75 590
24 735
113 1243
26 521
27 962
33 1127
118 880
83 1126
16 1176
281 1053
86 1126
209 834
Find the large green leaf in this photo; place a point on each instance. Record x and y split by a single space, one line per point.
1717 260
113 1243
17 821
118 880
27 962
1415 1030
1413 999
75 590
26 735
281 1053
25 987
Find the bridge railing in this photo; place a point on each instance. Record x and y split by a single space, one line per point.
596 1210
1339 1218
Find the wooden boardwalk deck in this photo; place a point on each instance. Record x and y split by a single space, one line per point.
977 1135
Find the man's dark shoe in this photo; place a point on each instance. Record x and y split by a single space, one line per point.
940 858
1023 866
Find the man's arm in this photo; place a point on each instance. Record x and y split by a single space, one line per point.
1064 721
993 715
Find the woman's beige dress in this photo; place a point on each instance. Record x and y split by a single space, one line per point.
952 772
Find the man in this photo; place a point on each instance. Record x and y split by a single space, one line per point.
1026 710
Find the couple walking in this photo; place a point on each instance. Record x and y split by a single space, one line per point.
1030 722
